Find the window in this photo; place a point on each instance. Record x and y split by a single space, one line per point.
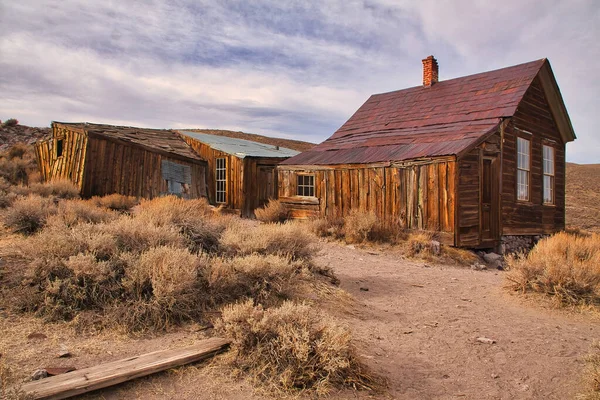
221 178
548 175
178 177
306 185
59 147
523 166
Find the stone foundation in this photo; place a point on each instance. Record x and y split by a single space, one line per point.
511 244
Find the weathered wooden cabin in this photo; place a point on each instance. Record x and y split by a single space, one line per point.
241 173
105 159
478 159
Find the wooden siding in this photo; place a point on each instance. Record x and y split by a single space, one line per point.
116 167
534 121
408 195
245 188
70 165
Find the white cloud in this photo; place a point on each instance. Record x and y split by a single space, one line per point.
296 69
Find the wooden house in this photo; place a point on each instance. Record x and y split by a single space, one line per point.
478 159
241 173
105 159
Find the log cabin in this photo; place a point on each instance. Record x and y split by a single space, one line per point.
106 159
241 173
479 160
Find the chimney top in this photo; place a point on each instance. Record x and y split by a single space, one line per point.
430 71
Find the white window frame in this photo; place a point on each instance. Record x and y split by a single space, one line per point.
549 168
523 169
221 180
305 185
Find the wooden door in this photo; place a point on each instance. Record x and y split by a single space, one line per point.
490 200
267 184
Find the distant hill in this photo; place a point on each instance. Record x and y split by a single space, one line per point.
583 196
297 145
9 135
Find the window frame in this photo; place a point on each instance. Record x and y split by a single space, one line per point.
221 194
306 187
59 142
527 171
551 175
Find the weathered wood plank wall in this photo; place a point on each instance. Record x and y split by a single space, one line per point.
534 121
114 167
411 195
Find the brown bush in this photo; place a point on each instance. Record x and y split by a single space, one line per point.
28 214
72 212
116 202
565 267
327 227
286 240
292 348
18 150
60 188
136 235
15 171
592 375
360 226
266 279
273 211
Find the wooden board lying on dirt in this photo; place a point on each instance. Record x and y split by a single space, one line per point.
104 375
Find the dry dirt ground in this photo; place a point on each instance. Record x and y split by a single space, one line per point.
417 325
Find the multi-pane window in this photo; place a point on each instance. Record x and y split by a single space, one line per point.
523 167
306 185
221 179
548 175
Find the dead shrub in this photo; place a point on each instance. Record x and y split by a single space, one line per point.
28 214
116 202
18 150
274 211
419 244
15 171
360 226
73 212
287 240
565 267
60 188
592 374
6 199
264 278
327 227
292 348
136 235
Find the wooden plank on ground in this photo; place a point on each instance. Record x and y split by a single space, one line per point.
104 375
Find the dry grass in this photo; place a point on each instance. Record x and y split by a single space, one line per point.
327 227
274 211
74 212
287 240
60 188
592 375
116 202
28 214
565 267
292 348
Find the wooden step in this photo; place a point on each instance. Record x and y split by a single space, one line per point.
109 374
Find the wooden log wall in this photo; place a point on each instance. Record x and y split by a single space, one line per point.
410 195
70 165
117 167
468 198
534 121
235 173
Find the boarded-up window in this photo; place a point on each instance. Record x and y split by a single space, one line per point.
548 175
523 167
306 185
221 179
178 177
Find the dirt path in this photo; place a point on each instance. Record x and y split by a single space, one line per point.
418 324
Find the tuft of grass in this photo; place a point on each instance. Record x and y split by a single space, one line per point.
60 188
274 211
359 226
28 214
292 348
287 240
592 375
564 267
116 202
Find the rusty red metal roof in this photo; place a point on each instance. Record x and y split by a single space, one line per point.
440 120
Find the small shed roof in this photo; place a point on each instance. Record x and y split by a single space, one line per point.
444 119
160 140
241 148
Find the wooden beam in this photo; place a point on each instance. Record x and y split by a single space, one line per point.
104 375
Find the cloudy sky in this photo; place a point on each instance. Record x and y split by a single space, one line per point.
295 69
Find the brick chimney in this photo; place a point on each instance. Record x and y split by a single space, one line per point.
430 71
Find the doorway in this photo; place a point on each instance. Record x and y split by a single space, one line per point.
490 208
